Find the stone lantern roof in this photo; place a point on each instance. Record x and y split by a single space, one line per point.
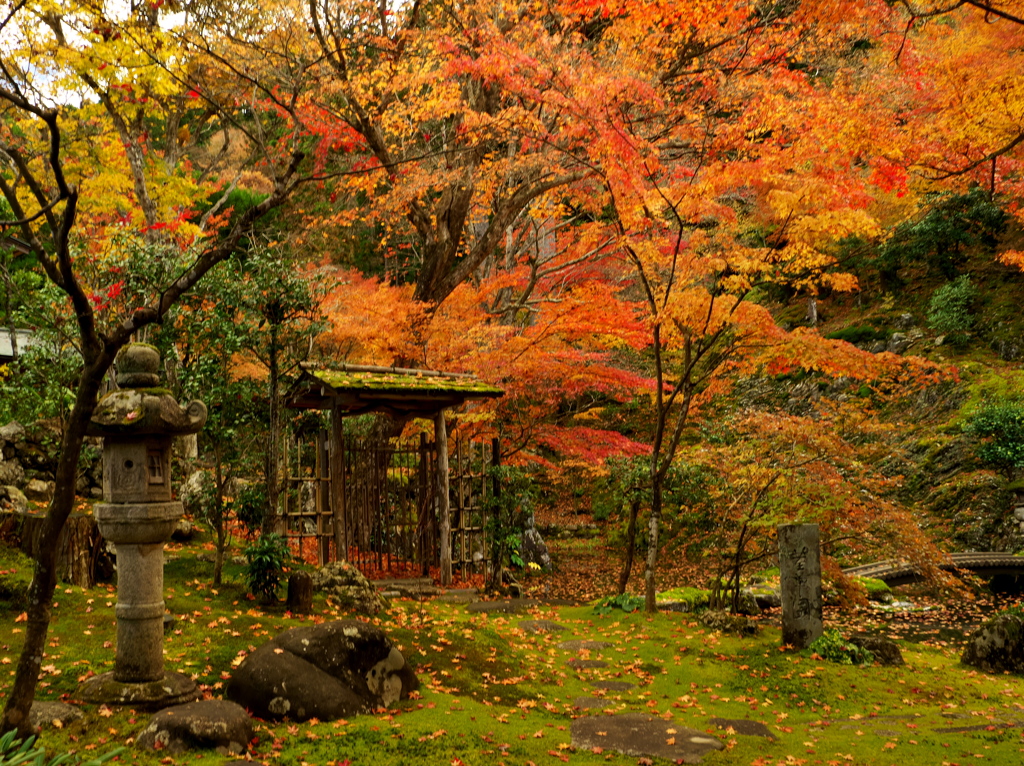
139 407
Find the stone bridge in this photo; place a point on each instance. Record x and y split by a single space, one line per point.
898 572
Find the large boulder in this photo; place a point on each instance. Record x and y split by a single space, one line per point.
328 671
205 725
347 588
998 645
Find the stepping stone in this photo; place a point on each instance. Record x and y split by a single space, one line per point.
578 645
591 703
579 664
613 686
636 734
460 596
744 726
978 727
53 714
674 606
540 626
506 606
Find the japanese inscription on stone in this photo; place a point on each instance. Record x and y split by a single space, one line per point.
800 572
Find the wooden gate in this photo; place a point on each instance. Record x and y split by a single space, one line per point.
387 523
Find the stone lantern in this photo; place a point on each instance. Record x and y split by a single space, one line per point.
138 423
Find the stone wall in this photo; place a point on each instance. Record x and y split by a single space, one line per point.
28 460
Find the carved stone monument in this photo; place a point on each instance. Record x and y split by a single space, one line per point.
800 573
138 423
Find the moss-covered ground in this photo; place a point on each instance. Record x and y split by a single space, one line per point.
494 694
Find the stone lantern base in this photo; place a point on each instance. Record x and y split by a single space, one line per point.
172 689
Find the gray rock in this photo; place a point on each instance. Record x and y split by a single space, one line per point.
192 491
13 432
997 646
580 645
886 651
591 703
877 347
904 322
613 686
206 725
39 491
898 343
13 499
326 671
744 726
348 588
636 734
505 606
729 623
766 598
580 664
184 531
533 549
53 714
540 626
749 605
11 472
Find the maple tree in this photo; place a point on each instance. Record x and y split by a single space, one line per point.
106 161
779 468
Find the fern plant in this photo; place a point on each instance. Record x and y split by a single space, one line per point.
15 752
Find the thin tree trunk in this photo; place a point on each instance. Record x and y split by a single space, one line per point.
218 516
44 580
273 467
627 565
653 530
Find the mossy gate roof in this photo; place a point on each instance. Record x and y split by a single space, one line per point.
395 390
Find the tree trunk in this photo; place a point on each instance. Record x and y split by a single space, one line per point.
627 565
77 547
653 530
44 580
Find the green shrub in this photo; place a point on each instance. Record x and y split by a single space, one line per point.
941 239
1000 423
831 646
624 601
950 310
266 559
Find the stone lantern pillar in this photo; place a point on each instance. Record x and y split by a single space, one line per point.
138 423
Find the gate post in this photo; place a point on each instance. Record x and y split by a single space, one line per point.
441 437
337 477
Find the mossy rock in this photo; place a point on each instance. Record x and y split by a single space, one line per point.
878 591
15 576
998 645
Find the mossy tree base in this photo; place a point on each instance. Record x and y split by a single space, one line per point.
173 689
